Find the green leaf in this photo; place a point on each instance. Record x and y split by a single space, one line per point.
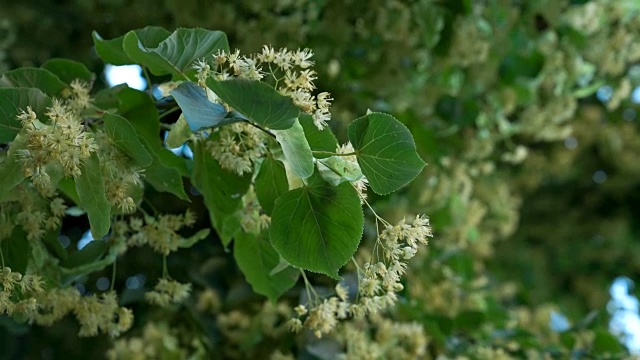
10 168
270 183
125 138
190 241
163 176
29 77
336 170
296 150
257 102
256 258
179 133
112 51
90 253
317 227
12 101
50 239
175 54
386 152
606 343
90 187
68 70
68 188
87 261
221 189
199 112
16 250
319 140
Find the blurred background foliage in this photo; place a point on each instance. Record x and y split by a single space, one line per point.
523 111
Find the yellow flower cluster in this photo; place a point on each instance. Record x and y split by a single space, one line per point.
378 284
167 292
17 292
96 314
161 233
61 142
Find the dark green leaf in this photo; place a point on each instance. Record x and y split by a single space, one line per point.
28 77
16 250
606 343
317 227
163 176
124 136
386 152
177 53
197 109
296 150
221 189
68 70
12 101
90 187
11 169
270 183
90 253
112 51
257 102
50 239
86 266
256 258
319 140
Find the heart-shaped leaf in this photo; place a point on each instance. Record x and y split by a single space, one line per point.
112 51
198 110
28 77
386 152
12 102
317 227
270 183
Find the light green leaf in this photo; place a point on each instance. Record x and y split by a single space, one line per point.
68 70
270 183
319 140
12 101
221 189
29 77
125 138
112 51
177 53
386 152
256 258
317 227
336 170
296 150
257 102
179 133
68 188
190 241
90 187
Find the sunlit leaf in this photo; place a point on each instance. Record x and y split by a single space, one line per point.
296 150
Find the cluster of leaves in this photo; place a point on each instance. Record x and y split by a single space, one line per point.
302 183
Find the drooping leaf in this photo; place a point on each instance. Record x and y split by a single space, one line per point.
256 258
16 250
124 136
296 150
68 70
386 152
257 102
336 170
91 193
221 189
179 133
162 176
12 102
112 51
29 77
270 183
89 262
176 53
317 227
50 239
198 110
89 253
319 140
